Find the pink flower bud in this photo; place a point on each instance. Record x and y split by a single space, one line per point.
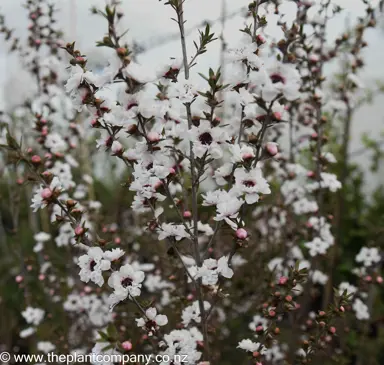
241 234
46 193
342 309
79 231
36 159
158 184
259 329
260 38
247 156
283 280
127 345
19 279
41 277
187 214
153 136
117 148
368 278
190 297
379 280
278 115
271 148
332 330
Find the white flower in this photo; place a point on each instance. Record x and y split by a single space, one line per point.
192 313
258 321
319 278
77 74
223 269
55 143
210 270
100 356
361 310
113 254
368 256
240 154
152 320
251 346
184 90
27 332
355 80
172 230
223 174
280 78
207 139
317 246
40 199
126 281
139 73
344 286
33 315
228 208
330 157
182 342
92 265
250 183
42 237
77 77
45 346
245 53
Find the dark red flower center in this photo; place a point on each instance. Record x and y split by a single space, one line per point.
150 325
92 265
205 138
131 105
276 78
249 183
126 282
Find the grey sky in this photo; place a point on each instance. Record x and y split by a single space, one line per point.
150 18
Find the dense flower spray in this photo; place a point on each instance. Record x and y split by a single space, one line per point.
208 189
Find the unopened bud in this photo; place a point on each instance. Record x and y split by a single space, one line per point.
46 193
79 231
271 148
36 160
241 234
127 345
